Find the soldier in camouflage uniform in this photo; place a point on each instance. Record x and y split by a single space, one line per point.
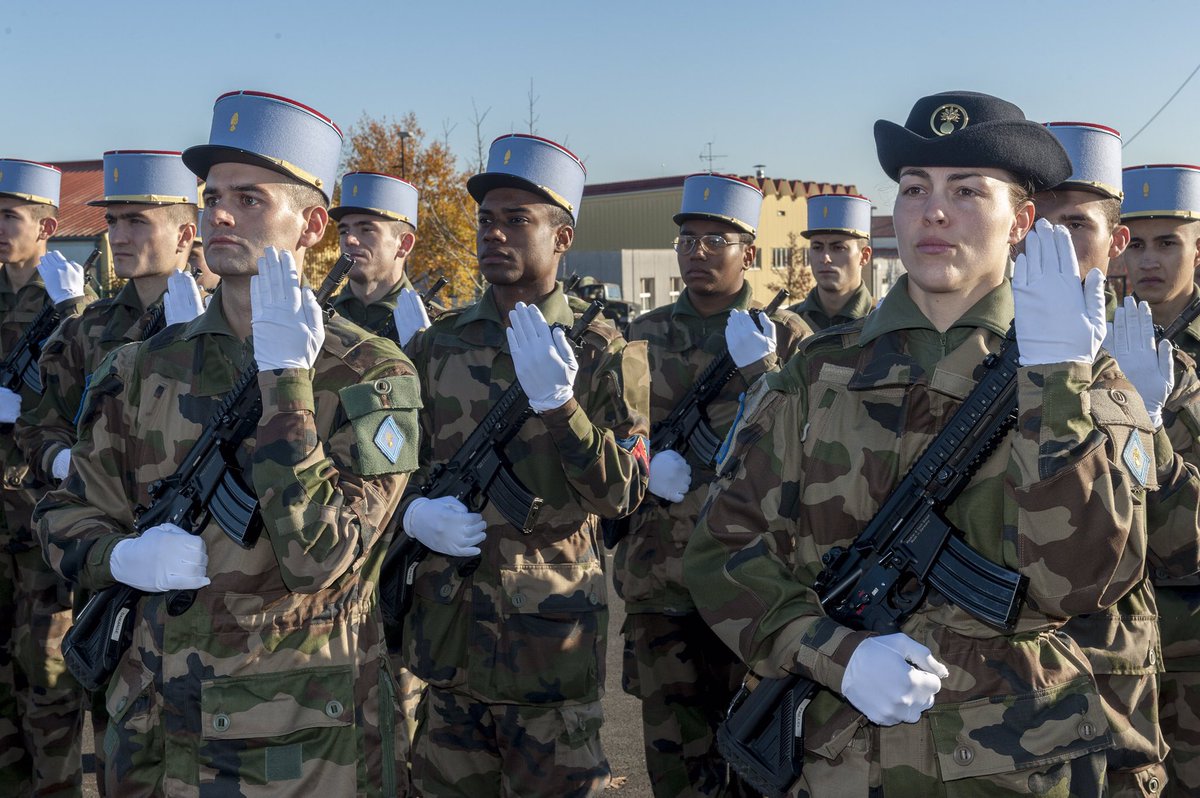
839 248
1160 208
198 266
151 213
377 224
683 674
513 645
41 706
954 706
275 680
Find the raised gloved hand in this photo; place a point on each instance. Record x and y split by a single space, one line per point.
445 525
10 406
1058 321
747 343
288 325
164 557
1147 365
182 301
63 278
892 679
670 476
410 316
62 462
543 358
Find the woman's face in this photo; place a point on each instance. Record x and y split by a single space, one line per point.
954 228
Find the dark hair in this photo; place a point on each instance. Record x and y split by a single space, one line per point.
1020 191
560 216
1112 212
302 195
181 213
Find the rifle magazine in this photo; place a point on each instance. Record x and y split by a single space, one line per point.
987 591
235 509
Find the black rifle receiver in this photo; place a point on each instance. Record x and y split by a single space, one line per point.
476 474
884 576
207 484
1182 321
687 426
21 364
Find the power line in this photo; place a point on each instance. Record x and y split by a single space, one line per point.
1164 107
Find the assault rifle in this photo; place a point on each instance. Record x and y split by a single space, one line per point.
21 364
207 484
884 575
388 330
476 474
687 425
1182 321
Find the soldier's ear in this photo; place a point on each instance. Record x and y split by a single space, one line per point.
407 242
46 228
1120 240
563 238
187 237
315 220
748 256
866 255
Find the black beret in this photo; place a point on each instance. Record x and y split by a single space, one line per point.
966 128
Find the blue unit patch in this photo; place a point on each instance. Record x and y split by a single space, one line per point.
389 439
1137 460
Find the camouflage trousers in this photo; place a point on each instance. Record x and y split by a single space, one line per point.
1135 762
409 689
900 762
471 749
41 705
1181 726
685 677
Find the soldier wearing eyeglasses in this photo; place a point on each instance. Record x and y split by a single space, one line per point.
839 247
679 669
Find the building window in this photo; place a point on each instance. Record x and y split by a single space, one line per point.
647 294
676 287
757 259
781 257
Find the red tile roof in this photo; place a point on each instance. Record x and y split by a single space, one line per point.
882 227
780 187
82 182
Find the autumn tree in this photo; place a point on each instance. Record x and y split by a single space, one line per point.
446 225
797 276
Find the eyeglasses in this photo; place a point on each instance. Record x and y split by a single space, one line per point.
713 243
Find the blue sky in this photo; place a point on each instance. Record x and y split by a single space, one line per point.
635 88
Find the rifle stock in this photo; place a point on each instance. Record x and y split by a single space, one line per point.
884 576
207 484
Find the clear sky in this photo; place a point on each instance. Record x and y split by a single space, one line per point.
636 89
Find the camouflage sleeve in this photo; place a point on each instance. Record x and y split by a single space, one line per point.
740 563
1080 434
48 427
418 353
326 502
91 511
1173 511
604 445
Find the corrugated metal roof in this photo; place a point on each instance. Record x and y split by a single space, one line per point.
778 186
82 182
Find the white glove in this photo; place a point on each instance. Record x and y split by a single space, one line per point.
63 278
1147 366
62 462
162 558
748 344
445 525
543 358
1057 320
287 322
670 475
182 301
892 679
410 316
10 406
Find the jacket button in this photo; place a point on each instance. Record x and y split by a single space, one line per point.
12 481
1118 396
446 591
1160 573
1153 656
594 598
382 387
334 708
1152 785
518 599
124 702
1087 730
964 755
221 722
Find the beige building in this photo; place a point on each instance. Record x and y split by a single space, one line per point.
625 232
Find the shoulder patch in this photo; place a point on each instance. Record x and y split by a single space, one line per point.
383 415
1137 459
636 446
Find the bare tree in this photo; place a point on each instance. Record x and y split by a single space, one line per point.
797 276
480 150
533 118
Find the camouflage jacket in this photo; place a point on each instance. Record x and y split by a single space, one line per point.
20 489
286 643
822 445
69 357
529 625
648 568
858 305
376 317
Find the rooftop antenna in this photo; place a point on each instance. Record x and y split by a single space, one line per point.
708 156
760 171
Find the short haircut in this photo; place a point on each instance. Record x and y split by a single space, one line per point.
1112 212
560 216
302 195
40 210
181 213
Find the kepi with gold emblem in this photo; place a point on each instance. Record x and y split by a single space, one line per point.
533 164
724 198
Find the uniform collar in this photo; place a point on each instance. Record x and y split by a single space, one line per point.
684 306
6 286
129 297
553 306
211 322
994 311
858 305
346 295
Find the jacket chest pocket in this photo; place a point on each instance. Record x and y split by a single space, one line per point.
275 729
